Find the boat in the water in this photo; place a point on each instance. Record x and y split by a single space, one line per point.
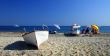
36 38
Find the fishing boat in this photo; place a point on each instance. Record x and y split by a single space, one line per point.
75 29
36 38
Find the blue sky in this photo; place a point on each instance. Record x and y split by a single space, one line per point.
49 12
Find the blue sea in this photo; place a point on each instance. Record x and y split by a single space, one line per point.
64 29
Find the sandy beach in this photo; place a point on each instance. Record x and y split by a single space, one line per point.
57 45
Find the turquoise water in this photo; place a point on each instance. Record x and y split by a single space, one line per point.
105 29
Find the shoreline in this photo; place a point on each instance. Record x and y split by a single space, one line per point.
19 34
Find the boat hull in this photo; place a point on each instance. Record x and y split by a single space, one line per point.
77 32
36 38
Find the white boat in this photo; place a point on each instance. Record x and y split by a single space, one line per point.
75 29
36 38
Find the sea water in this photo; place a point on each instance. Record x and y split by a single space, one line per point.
64 29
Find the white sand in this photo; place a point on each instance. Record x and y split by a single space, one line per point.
57 46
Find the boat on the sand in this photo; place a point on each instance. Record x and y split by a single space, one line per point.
36 38
75 29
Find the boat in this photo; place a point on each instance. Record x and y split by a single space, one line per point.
36 38
75 29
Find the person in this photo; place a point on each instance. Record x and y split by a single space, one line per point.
94 31
87 31
83 31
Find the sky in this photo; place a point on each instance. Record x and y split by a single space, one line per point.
49 12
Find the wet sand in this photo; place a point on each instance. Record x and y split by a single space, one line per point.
57 45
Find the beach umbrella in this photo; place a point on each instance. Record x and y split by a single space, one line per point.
95 27
57 26
44 26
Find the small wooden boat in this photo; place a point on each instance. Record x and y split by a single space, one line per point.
36 38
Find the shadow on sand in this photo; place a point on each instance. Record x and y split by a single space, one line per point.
70 35
20 45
